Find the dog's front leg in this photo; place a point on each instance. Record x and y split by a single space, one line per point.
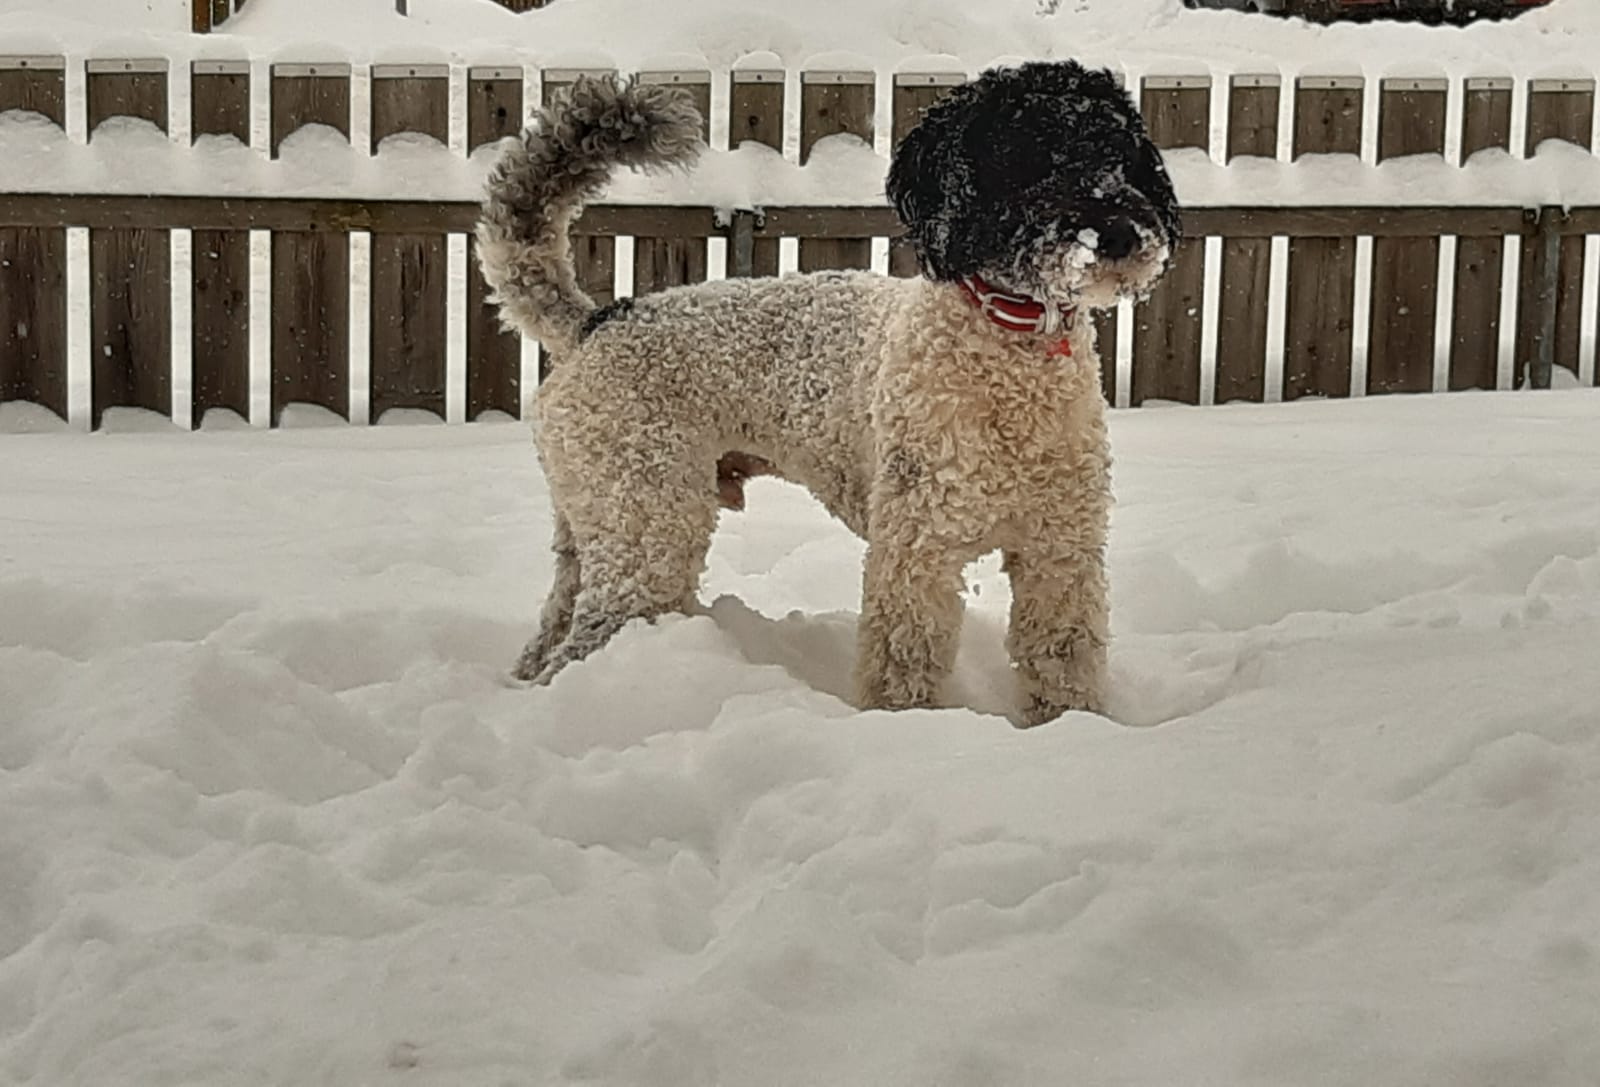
910 617
1059 630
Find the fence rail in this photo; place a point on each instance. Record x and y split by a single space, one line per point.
1207 334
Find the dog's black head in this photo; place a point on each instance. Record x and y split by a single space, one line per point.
1042 179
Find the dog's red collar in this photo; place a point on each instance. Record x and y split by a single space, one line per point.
1019 313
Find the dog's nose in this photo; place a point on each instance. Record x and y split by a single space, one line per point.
1118 239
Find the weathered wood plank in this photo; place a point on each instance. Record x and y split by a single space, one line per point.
1405 271
494 356
1475 322
1253 115
756 115
35 84
833 104
126 88
1242 319
310 321
220 326
307 94
130 305
412 98
219 99
1558 109
1322 269
1246 262
494 105
1168 325
410 322
1105 345
33 317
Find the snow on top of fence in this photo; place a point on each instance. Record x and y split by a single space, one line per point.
1561 39
133 157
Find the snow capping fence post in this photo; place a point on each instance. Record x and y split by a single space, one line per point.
33 260
494 355
1558 109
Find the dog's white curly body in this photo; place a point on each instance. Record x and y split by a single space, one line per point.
930 432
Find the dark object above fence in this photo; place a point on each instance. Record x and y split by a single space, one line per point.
211 14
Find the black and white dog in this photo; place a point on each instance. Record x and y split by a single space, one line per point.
939 417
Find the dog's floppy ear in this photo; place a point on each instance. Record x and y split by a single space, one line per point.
913 182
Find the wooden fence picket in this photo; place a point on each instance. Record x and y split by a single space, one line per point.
1246 262
1475 322
1322 270
831 104
756 115
130 270
220 291
494 356
410 272
33 260
310 269
1167 326
1558 109
1405 271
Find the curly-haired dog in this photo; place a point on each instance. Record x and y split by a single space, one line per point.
940 417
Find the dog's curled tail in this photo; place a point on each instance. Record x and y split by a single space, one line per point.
540 185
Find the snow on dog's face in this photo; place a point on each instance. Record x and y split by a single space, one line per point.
1040 179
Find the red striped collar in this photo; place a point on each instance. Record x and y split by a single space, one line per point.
1017 312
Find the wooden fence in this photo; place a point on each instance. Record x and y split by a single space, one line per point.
1349 299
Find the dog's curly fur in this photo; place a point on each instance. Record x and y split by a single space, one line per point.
927 429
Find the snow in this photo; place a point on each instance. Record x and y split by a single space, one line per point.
1139 37
270 813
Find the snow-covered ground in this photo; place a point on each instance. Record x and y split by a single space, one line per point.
269 813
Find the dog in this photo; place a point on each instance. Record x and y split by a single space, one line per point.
940 417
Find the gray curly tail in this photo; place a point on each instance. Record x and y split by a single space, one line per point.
540 186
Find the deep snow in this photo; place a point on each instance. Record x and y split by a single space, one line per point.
269 813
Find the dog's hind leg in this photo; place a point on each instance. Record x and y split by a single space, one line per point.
910 622
634 564
1059 629
556 619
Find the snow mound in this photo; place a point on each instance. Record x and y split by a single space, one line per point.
271 813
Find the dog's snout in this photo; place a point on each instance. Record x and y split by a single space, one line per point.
1119 239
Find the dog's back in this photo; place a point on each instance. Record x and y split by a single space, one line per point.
776 368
